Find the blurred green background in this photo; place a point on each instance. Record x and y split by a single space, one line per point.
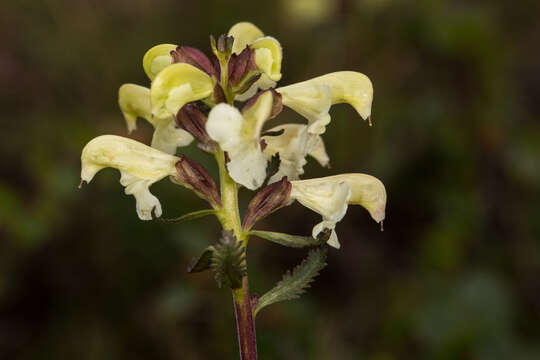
456 140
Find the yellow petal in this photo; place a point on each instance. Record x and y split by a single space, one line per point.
268 56
244 33
256 115
127 155
310 98
134 101
366 190
157 58
177 85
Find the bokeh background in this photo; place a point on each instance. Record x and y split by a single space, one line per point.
456 140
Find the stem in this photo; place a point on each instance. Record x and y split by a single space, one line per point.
229 217
245 324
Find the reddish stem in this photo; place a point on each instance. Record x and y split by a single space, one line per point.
245 325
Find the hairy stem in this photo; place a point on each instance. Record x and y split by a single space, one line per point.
229 217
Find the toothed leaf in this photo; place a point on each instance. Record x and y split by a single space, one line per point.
296 282
228 261
203 262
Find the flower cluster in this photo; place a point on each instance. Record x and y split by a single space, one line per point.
223 101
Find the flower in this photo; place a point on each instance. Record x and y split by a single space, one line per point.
239 135
140 166
268 55
313 98
329 196
198 94
134 101
293 143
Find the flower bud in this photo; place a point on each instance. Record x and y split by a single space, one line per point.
195 57
222 48
243 70
192 175
219 95
225 43
192 119
267 200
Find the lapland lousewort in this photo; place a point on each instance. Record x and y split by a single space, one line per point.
223 101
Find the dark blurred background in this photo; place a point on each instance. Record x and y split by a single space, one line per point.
456 140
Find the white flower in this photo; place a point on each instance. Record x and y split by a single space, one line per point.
313 98
134 101
239 135
330 196
140 166
293 145
268 56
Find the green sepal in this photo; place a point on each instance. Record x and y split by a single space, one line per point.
203 262
296 282
295 241
228 261
189 216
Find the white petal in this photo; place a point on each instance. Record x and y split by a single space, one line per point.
293 146
224 125
239 136
333 239
317 150
167 137
145 201
248 166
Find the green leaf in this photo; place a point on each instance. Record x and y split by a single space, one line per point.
190 216
203 262
295 241
296 282
228 261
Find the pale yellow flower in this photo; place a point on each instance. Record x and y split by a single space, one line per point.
329 196
268 55
313 98
140 166
134 101
293 145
